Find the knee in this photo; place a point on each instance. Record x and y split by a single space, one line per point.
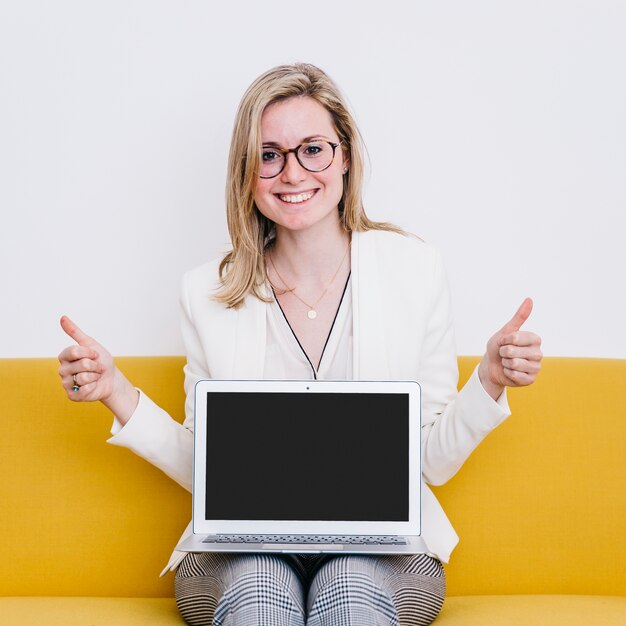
263 590
211 587
366 590
345 591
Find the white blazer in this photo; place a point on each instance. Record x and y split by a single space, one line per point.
402 330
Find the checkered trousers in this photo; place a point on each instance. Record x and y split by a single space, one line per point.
220 589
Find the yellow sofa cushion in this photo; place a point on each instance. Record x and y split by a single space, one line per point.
533 610
48 611
80 517
540 506
460 611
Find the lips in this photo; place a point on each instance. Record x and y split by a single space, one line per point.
296 198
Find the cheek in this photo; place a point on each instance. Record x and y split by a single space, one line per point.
261 186
335 182
261 193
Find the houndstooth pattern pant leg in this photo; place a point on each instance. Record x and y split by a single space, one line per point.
220 589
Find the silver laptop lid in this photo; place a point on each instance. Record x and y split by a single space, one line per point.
307 457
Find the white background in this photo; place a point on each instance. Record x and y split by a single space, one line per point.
496 130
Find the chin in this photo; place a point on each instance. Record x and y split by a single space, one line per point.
297 224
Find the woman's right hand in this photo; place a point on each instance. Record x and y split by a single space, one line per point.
90 367
86 365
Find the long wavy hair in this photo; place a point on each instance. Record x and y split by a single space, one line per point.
242 271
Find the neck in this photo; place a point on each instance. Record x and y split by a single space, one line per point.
306 255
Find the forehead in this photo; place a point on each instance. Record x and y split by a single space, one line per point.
289 122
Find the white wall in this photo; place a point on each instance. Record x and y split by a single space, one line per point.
496 130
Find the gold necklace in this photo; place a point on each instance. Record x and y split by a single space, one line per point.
311 313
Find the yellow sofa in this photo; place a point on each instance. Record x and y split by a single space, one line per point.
540 506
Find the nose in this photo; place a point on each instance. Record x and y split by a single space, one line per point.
293 172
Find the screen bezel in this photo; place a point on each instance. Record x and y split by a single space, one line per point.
307 527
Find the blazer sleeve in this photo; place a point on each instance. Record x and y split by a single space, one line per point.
151 432
453 424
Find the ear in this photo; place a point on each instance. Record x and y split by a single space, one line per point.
346 160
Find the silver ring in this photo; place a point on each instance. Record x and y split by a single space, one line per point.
76 386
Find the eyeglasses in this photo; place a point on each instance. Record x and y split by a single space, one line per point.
314 156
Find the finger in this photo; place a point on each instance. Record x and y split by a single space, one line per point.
68 384
521 315
513 351
82 365
520 338
73 353
82 393
518 379
76 333
521 365
84 378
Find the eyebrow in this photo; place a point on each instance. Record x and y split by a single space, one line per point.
275 144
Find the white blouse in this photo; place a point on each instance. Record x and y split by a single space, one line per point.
285 358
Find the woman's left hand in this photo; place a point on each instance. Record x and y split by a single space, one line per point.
513 356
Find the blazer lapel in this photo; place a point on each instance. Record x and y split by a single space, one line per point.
249 339
370 359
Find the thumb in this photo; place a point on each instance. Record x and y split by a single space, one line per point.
76 333
521 315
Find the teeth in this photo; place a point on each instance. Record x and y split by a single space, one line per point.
301 197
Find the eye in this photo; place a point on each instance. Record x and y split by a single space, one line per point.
269 154
312 149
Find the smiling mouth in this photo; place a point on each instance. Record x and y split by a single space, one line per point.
296 198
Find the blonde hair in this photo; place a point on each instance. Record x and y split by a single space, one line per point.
242 270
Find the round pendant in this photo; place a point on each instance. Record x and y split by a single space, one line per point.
312 314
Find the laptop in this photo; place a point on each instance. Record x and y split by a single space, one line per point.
306 467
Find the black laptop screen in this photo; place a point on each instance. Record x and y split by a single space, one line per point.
318 456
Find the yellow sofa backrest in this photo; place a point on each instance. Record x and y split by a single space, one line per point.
540 506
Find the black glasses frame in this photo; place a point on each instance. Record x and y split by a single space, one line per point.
286 151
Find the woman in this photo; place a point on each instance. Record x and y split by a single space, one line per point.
313 289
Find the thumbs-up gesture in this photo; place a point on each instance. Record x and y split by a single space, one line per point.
87 368
88 373
513 356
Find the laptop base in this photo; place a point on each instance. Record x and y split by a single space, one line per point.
197 543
